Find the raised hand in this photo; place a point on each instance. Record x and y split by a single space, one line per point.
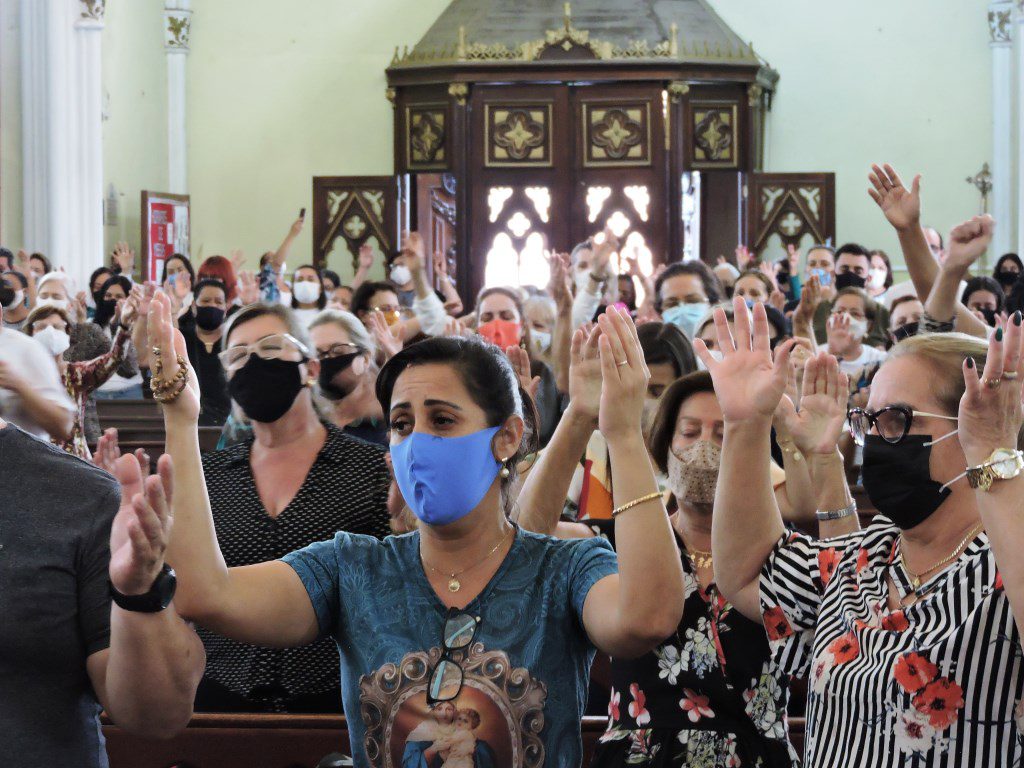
838 330
455 327
128 309
389 344
743 258
249 287
902 207
624 377
440 264
768 270
560 283
748 383
237 259
520 360
778 300
602 253
296 226
142 528
415 251
793 254
165 337
365 257
124 258
108 451
968 241
585 380
810 298
990 414
815 428
78 307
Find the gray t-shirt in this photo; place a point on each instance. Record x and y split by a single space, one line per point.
55 517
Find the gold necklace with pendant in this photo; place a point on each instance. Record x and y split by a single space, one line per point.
699 558
915 578
454 585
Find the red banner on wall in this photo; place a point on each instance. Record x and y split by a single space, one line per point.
166 221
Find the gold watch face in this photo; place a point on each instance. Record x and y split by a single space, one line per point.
1006 464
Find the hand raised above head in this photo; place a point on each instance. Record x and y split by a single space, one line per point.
624 377
585 380
967 242
748 382
168 347
902 207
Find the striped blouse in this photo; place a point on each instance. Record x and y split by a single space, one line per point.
937 684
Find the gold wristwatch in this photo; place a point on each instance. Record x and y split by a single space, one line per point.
1003 464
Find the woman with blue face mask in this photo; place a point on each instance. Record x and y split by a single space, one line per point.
685 292
468 610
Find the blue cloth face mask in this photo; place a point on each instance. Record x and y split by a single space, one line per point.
443 479
686 316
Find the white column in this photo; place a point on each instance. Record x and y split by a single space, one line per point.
177 31
1000 41
61 141
87 250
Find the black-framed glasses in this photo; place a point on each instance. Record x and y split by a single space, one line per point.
892 422
448 676
337 350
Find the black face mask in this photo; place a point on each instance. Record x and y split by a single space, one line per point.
1006 277
898 481
849 280
266 389
104 311
905 331
209 318
6 296
331 367
990 317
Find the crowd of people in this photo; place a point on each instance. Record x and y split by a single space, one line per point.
432 517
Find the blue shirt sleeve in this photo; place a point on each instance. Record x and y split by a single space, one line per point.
592 560
318 567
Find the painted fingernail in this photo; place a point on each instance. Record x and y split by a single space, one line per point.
970 362
999 334
1016 317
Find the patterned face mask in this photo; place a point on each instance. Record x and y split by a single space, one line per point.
693 474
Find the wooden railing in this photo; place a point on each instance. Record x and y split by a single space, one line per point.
276 741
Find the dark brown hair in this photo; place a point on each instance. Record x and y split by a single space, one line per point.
662 430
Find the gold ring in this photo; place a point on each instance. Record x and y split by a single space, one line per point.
624 362
993 383
1009 375
156 351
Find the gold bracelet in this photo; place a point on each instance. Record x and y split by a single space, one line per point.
636 502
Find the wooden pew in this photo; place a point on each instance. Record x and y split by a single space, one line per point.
277 741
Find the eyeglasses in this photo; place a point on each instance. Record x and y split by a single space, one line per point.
269 348
447 678
337 350
892 422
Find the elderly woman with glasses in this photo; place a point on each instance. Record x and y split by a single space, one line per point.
468 609
292 481
907 629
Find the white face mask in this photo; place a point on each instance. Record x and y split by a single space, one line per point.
542 339
877 278
716 355
55 340
401 275
858 328
48 302
306 292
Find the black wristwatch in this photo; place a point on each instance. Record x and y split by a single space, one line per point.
154 601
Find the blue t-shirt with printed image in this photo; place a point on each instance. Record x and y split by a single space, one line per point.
525 673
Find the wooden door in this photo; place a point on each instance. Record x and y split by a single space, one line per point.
620 168
785 209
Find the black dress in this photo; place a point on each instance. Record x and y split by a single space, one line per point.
214 400
710 696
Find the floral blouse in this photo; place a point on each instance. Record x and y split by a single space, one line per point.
81 380
937 683
710 696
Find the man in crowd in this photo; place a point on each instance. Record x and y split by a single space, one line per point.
852 267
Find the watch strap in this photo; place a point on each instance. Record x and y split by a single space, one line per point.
155 600
825 515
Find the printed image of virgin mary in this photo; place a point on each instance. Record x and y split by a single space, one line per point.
446 739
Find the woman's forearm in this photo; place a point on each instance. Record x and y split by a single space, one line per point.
543 495
193 550
646 546
746 522
798 490
561 346
829 476
942 301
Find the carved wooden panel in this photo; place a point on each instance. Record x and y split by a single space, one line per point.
348 212
783 209
518 135
714 132
426 136
616 135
